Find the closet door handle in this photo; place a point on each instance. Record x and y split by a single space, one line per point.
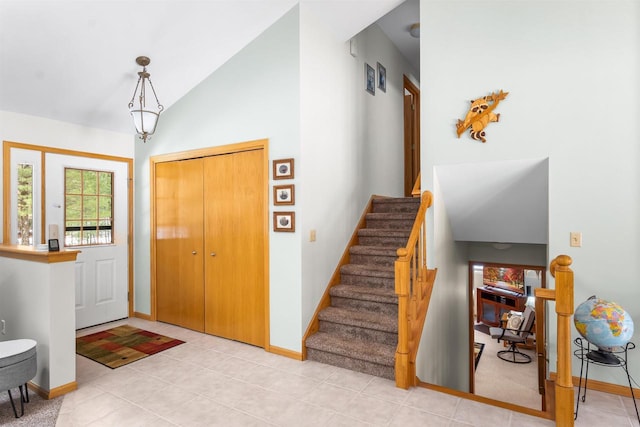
213 254
194 252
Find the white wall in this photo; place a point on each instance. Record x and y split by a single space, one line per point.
15 127
571 69
255 95
351 142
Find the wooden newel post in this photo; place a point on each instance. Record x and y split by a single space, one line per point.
564 399
402 290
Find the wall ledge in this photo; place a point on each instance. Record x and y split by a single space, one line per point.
29 253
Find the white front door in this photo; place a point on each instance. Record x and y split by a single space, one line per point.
102 276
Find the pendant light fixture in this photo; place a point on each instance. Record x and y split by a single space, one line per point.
145 119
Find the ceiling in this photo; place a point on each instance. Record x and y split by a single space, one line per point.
74 61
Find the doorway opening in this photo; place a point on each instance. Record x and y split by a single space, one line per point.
499 292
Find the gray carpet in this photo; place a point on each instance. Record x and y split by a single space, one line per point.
37 413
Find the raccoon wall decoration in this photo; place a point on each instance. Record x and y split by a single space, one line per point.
480 115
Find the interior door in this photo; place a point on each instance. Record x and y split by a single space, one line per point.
411 135
234 230
179 243
102 271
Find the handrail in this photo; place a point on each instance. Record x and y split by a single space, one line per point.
563 296
415 192
413 285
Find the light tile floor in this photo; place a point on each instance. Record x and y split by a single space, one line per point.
209 381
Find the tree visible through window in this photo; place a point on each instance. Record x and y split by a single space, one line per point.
88 211
25 204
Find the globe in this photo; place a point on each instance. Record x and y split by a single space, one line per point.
604 324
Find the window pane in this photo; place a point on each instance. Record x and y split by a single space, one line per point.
73 181
90 185
90 207
25 204
73 207
105 183
105 207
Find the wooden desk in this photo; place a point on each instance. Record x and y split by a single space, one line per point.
492 303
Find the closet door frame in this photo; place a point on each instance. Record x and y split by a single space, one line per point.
260 144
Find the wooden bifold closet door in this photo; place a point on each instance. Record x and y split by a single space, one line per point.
228 298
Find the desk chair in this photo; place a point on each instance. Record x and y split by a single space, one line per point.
515 337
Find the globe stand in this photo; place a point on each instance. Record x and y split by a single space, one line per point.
588 357
603 357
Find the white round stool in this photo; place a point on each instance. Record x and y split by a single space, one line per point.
17 366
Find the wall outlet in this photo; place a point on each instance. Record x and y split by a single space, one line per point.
3 325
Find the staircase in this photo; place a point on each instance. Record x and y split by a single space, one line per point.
359 329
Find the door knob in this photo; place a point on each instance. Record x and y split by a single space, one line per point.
194 252
213 254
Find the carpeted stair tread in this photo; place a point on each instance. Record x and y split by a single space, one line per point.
392 216
396 204
384 232
361 319
377 353
369 270
374 250
365 293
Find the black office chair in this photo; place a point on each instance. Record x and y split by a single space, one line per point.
515 337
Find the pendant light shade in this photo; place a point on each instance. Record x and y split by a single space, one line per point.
145 119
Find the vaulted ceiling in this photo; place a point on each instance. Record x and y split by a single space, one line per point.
74 61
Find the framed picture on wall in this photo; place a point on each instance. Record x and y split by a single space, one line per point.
283 169
382 78
284 221
370 78
284 194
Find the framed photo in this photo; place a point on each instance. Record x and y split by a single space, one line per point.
53 245
284 221
370 78
382 78
283 169
284 195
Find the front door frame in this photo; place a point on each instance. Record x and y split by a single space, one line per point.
6 149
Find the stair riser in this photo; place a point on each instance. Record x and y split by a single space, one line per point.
361 305
352 364
372 259
374 282
361 334
395 207
396 242
389 224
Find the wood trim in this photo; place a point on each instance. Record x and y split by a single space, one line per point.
28 253
618 390
415 92
6 189
54 392
258 144
285 352
6 150
325 300
486 400
144 316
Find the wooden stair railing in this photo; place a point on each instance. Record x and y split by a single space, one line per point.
415 192
563 296
414 284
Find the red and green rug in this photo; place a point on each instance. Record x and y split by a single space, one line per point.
122 345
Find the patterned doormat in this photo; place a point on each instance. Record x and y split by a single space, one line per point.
477 352
122 345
